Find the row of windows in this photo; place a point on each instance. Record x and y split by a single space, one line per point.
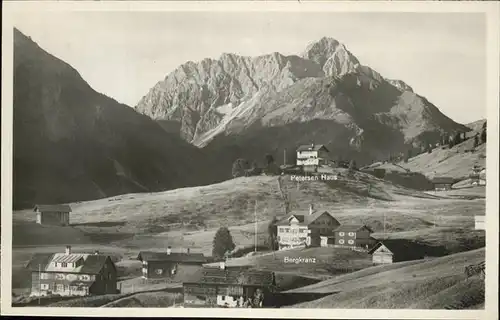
288 230
341 241
351 234
63 287
62 276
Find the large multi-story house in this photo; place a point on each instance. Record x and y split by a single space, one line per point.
299 230
352 236
311 156
229 287
173 265
72 274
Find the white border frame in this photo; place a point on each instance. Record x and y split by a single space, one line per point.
492 11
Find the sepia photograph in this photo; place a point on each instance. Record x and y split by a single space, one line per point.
187 157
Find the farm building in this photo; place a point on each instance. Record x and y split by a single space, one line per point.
312 229
442 183
397 250
72 274
479 222
352 236
170 264
229 287
52 214
311 156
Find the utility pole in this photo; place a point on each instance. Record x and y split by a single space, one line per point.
284 157
255 223
384 225
39 282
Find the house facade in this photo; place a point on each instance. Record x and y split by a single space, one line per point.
398 250
57 215
443 183
300 230
479 222
72 274
311 156
352 236
229 287
173 265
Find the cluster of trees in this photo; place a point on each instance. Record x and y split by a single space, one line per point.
243 168
222 244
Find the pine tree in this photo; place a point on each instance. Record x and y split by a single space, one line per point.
222 243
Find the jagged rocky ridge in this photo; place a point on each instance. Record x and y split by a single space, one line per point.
235 100
72 143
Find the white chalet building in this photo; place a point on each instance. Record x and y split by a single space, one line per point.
311 156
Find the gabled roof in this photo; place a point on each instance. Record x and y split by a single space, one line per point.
317 214
311 147
408 248
352 228
172 257
304 219
92 263
234 276
52 208
445 180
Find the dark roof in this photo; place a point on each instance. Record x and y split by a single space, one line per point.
173 257
408 248
93 263
39 260
234 276
52 208
444 180
311 147
352 228
305 219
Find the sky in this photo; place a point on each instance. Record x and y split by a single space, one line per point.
442 56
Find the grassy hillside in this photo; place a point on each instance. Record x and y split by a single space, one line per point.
190 216
426 284
327 261
456 162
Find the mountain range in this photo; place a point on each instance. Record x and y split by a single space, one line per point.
271 102
72 143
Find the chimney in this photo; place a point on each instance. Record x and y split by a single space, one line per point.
311 208
68 250
187 250
169 250
222 265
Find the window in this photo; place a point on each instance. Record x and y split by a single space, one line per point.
59 287
59 276
350 241
44 276
159 271
64 265
44 286
341 234
341 241
84 277
144 263
351 234
223 298
74 288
